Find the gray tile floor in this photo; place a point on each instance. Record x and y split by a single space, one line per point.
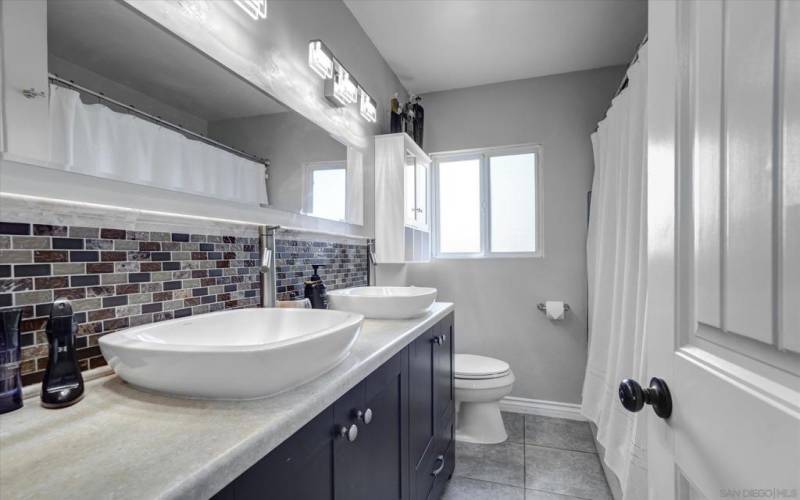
544 459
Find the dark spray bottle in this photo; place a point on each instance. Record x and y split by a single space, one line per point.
63 383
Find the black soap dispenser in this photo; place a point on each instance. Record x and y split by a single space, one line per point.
315 290
63 383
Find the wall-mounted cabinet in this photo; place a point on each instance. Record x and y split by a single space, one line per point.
24 125
402 198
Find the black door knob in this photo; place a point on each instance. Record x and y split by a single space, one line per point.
633 397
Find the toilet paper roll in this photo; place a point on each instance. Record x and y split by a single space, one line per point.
554 309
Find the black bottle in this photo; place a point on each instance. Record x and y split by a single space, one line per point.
315 290
63 383
408 119
419 120
10 380
395 118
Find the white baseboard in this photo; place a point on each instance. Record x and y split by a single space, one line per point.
541 407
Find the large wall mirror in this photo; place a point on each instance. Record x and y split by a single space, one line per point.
106 58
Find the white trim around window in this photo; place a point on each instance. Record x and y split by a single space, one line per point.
485 155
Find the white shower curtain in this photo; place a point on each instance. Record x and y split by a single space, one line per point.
93 139
617 264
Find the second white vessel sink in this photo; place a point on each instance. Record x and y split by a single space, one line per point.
239 354
383 302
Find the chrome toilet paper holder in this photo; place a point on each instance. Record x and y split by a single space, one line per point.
540 306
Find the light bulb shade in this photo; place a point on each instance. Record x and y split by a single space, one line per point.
257 9
320 59
341 90
368 107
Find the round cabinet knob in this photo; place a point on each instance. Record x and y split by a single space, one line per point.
349 432
633 397
364 416
437 340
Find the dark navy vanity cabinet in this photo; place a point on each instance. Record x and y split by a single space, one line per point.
389 437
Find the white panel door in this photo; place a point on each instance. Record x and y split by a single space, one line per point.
724 247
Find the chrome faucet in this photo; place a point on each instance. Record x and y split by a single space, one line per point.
371 260
266 236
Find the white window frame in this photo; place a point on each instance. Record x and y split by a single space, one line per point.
484 155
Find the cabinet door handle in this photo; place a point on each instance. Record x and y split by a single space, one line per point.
363 416
437 340
349 432
439 469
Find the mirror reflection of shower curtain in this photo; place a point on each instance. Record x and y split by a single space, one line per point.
93 139
617 262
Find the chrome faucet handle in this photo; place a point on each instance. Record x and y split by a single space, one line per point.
266 260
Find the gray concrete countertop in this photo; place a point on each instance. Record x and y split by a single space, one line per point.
120 442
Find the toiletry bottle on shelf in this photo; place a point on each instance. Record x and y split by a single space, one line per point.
395 118
315 290
10 381
408 119
63 383
419 120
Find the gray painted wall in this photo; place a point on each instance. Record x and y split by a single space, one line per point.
496 299
289 141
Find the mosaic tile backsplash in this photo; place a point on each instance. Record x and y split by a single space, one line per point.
345 264
117 278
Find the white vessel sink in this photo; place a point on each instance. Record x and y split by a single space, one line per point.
383 302
240 354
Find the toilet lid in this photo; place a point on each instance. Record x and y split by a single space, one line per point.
479 367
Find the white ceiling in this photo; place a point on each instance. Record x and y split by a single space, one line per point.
445 44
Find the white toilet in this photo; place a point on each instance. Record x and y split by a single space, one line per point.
480 383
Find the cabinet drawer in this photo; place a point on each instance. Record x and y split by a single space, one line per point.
438 463
448 465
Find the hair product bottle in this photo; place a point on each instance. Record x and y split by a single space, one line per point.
395 118
419 120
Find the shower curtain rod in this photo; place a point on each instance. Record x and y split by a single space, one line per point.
160 121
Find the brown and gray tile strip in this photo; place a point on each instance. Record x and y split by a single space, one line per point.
118 278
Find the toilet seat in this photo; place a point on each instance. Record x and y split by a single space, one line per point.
473 367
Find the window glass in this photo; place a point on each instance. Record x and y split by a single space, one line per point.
512 195
460 206
329 190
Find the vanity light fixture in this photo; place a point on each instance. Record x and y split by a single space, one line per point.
257 9
320 59
369 110
341 90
